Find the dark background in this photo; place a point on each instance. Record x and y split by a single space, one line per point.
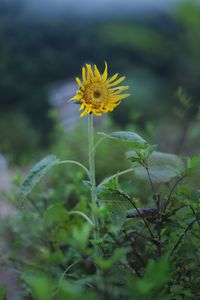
157 47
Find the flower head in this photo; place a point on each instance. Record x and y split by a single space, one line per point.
97 93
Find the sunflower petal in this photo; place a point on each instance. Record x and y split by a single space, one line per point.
77 97
82 106
96 72
105 73
117 81
79 82
118 90
120 97
84 75
90 74
112 78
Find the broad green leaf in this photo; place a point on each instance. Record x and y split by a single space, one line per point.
163 167
36 174
130 139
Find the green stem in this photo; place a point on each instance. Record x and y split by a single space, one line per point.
92 173
115 175
75 163
80 213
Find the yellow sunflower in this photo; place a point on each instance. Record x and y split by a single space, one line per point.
97 93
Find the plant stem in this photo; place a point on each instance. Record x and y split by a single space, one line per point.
149 176
115 175
80 213
158 225
189 227
92 173
172 191
194 213
76 163
128 263
35 206
121 193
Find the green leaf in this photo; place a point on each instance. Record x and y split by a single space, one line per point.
163 167
141 155
128 138
112 185
36 174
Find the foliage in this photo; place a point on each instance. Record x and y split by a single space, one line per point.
146 248
148 211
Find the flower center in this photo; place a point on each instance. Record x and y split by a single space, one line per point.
97 94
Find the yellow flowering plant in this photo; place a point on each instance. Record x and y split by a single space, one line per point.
123 249
97 94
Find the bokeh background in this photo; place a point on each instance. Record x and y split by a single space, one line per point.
44 44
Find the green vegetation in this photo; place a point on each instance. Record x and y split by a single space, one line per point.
148 228
141 240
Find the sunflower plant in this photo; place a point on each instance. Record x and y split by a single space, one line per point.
97 94
131 240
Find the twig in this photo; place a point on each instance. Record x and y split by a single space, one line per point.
145 212
115 239
149 176
80 213
158 225
138 211
195 235
194 213
172 191
189 227
64 273
129 264
67 270
115 175
98 142
35 206
76 163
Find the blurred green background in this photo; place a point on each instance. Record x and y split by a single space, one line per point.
44 44
157 47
